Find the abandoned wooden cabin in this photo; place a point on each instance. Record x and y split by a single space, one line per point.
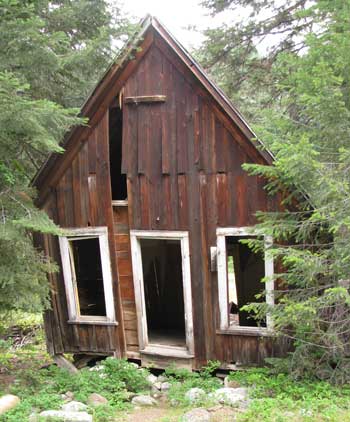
155 202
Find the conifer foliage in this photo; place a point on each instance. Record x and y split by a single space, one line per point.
51 54
303 117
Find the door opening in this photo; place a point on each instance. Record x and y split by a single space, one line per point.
162 281
163 288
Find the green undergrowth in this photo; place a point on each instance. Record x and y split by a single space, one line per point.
42 389
183 380
279 397
273 396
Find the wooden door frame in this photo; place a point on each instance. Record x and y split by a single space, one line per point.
145 346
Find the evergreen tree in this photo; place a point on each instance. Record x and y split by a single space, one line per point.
51 54
307 128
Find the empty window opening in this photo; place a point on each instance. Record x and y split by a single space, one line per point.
87 276
245 271
118 180
163 288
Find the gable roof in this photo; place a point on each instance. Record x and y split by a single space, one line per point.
102 95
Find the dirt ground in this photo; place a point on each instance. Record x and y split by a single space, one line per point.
168 414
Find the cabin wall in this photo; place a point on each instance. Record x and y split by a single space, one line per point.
183 162
82 198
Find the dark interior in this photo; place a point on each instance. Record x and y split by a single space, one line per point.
118 180
88 272
249 270
162 274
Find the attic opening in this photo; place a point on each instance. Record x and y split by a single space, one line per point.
163 290
118 179
87 273
245 271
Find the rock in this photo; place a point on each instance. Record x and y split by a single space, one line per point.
162 378
195 394
197 415
151 379
156 394
165 386
144 400
174 403
157 385
230 396
68 396
97 368
214 408
230 383
74 406
129 395
96 400
62 416
7 402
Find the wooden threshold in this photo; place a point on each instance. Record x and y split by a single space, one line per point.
167 351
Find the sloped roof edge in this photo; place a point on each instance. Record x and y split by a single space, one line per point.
202 75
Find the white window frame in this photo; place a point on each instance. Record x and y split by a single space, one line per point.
221 234
100 233
145 345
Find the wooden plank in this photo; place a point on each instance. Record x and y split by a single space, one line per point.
69 198
84 184
183 201
62 362
207 304
145 99
76 190
181 90
220 147
167 111
222 198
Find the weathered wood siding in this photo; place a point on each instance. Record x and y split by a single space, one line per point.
183 159
183 162
82 198
123 257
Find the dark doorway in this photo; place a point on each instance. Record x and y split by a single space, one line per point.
163 286
85 254
118 180
245 270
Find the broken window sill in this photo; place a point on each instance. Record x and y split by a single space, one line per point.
247 331
92 322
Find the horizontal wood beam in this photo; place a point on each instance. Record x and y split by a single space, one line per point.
145 99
